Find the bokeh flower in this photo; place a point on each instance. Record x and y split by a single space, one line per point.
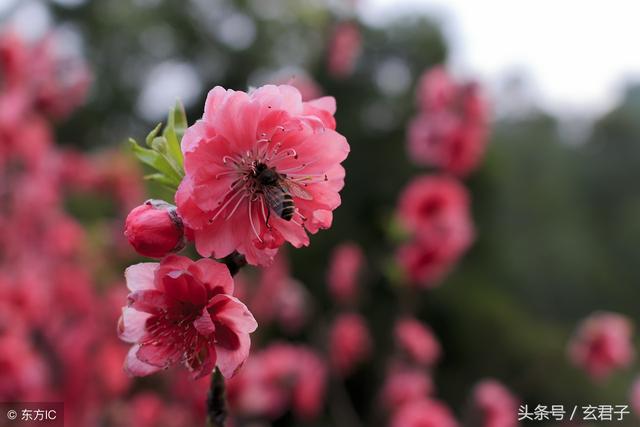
496 405
280 377
450 130
347 262
349 342
183 311
435 212
260 169
417 341
424 413
404 385
602 344
344 49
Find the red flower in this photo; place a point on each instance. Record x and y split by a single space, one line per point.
435 210
450 130
417 341
602 344
404 385
154 229
279 297
279 377
350 342
346 263
260 169
497 406
344 49
183 311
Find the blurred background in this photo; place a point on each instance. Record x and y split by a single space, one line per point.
555 201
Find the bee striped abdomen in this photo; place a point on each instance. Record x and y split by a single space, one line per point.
286 208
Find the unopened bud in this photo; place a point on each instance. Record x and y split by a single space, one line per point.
154 229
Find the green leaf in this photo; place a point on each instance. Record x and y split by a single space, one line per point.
162 180
157 161
160 145
153 134
174 131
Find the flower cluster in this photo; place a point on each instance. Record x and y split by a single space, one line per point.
450 130
434 209
279 377
58 299
260 169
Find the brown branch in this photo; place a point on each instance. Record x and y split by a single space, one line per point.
216 401
234 262
216 397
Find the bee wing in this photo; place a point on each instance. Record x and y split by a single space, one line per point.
273 196
298 191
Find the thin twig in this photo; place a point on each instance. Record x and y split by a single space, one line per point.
216 401
216 398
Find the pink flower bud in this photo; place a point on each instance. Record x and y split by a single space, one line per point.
154 229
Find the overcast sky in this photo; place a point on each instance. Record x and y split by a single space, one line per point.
578 54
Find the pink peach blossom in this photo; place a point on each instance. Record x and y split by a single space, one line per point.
240 140
279 377
350 342
436 89
602 344
417 341
279 297
346 263
425 264
424 413
344 49
436 208
435 211
496 405
404 385
450 130
184 311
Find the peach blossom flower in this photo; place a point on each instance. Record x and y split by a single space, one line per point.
261 168
184 311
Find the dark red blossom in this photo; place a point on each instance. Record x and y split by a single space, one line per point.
183 311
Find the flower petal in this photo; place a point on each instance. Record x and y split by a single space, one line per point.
131 326
203 324
140 276
135 367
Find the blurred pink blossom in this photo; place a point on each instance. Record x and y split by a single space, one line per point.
404 385
417 341
344 49
279 297
424 413
496 405
435 211
279 377
450 130
350 342
602 344
347 262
